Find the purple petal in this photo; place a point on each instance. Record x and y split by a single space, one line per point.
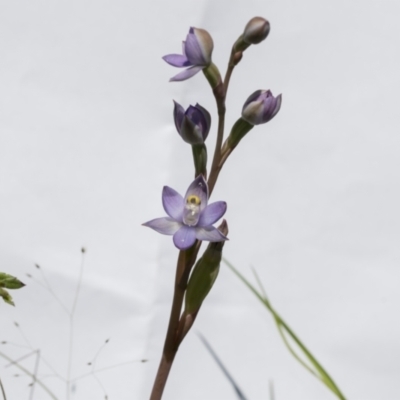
277 105
186 74
198 188
255 96
210 234
183 48
205 42
172 203
199 46
207 119
212 213
177 60
184 237
179 113
165 225
190 132
193 50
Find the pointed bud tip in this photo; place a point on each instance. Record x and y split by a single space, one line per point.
223 228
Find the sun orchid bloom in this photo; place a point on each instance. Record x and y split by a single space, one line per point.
197 50
193 124
261 107
189 218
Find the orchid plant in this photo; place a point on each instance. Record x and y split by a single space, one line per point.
190 218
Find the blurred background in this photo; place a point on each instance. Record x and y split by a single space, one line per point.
87 141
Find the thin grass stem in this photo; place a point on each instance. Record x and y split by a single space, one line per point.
39 382
49 288
35 373
71 325
3 392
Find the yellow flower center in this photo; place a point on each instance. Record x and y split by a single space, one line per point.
193 200
192 210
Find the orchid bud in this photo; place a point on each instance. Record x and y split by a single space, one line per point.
204 274
256 30
261 107
193 124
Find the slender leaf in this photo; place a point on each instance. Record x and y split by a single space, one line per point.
315 367
235 386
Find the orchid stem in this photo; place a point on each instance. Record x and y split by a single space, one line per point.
220 95
177 329
220 99
186 260
228 74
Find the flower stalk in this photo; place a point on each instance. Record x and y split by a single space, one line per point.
200 159
190 218
186 259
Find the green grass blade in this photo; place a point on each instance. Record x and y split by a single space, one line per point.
315 368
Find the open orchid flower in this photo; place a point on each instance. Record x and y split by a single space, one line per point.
189 218
197 50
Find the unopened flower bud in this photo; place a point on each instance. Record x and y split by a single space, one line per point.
261 107
256 30
193 124
204 274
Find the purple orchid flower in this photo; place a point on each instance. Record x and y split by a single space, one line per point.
193 124
189 218
197 50
261 107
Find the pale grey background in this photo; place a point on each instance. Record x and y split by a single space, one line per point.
87 141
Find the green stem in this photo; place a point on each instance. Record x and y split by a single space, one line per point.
220 92
215 168
228 73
